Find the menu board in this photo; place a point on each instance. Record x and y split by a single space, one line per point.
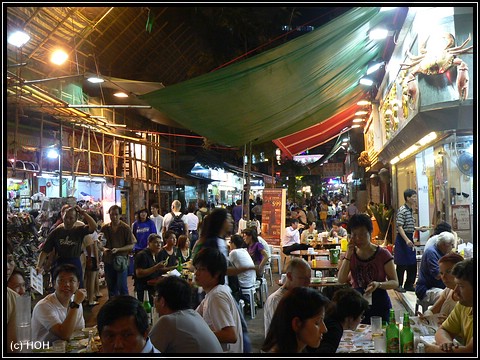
273 215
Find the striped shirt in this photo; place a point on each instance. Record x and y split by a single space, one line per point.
405 219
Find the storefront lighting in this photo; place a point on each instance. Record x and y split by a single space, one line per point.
361 112
18 38
357 120
355 126
379 33
59 57
395 160
375 67
427 138
363 103
383 8
95 80
345 140
366 81
409 151
52 154
388 112
120 94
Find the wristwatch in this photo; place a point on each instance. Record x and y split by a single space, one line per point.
73 305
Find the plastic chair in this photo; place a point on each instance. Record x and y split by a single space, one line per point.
250 292
267 270
276 256
262 288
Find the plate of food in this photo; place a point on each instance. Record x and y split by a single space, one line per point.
331 279
316 280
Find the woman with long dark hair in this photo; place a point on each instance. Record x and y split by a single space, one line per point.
297 322
215 227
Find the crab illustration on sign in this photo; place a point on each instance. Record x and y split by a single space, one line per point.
437 61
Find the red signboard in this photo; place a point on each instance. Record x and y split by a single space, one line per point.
273 215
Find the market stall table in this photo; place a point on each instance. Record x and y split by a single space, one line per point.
361 340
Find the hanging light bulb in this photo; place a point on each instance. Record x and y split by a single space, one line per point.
59 57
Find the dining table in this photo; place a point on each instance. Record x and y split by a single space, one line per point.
361 340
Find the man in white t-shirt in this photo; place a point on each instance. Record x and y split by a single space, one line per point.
291 239
167 219
55 316
298 274
239 257
218 308
157 218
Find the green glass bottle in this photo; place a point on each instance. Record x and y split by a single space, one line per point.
148 309
392 335
179 265
406 336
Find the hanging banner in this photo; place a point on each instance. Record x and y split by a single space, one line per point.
273 215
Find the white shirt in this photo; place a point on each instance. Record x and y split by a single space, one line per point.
158 220
291 237
192 221
184 331
167 219
49 312
271 305
241 258
219 310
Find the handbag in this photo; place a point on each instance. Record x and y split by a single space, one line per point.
120 263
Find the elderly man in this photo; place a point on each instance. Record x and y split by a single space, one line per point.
429 284
123 326
298 274
57 315
458 327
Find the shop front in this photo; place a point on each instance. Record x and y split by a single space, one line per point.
421 129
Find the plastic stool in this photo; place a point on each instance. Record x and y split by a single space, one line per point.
250 292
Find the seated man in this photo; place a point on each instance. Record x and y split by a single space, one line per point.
148 266
180 329
123 326
291 240
240 258
459 324
337 230
218 308
429 284
55 316
298 274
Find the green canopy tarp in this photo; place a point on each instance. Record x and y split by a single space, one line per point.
280 91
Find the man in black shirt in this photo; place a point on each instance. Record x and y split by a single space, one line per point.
148 266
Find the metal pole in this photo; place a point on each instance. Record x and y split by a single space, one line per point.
249 170
60 194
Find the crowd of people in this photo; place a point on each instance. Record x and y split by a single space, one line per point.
296 318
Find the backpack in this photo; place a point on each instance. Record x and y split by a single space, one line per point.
177 225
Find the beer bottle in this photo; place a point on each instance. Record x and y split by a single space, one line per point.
406 336
148 309
392 334
180 266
